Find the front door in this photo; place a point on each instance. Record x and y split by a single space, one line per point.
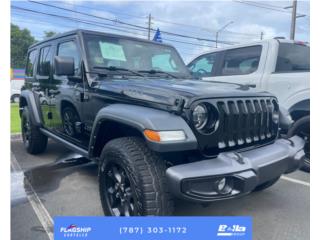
66 92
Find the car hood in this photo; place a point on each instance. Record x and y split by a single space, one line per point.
168 91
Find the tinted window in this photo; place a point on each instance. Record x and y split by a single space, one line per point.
204 65
44 61
30 63
293 58
241 61
69 49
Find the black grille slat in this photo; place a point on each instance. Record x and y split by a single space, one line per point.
241 122
258 124
245 121
264 119
269 122
223 124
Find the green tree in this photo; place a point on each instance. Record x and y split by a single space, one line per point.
48 34
21 39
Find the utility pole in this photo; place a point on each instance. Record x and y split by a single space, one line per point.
261 35
220 30
294 17
149 26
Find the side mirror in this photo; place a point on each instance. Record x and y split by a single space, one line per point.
64 66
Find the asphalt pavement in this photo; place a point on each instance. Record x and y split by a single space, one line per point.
61 183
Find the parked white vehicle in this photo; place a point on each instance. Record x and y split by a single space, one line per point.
16 86
279 66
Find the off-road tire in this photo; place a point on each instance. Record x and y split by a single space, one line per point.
266 185
302 128
34 141
146 172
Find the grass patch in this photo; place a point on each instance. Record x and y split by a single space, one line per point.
15 118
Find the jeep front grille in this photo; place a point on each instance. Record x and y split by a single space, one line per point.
243 122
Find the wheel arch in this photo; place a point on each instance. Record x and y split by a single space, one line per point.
120 120
300 109
27 99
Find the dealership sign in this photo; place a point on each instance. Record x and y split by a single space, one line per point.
153 228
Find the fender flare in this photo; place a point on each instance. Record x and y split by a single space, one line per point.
302 106
32 105
141 118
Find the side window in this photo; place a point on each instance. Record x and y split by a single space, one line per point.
69 49
45 61
31 60
293 58
204 65
241 61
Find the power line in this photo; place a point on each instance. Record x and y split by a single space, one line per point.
129 24
101 25
161 20
264 6
75 20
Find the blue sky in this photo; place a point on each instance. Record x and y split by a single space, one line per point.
192 18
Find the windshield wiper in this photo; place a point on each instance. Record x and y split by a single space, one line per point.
113 68
152 71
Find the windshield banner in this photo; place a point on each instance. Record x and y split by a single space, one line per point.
153 228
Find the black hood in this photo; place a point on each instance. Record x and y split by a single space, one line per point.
168 91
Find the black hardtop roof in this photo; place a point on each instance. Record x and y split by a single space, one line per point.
79 31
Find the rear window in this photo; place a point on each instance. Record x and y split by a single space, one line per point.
44 61
30 63
293 58
241 61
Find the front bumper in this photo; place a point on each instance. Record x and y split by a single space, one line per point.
242 172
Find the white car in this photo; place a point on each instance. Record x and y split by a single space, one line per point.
16 85
279 66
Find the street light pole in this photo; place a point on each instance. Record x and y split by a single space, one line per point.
220 30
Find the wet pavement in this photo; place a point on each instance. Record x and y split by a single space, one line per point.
61 183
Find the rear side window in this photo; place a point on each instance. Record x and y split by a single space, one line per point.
69 49
31 62
293 58
45 61
241 61
204 66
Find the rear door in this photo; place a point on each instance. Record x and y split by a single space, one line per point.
289 79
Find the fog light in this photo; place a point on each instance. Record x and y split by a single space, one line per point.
222 184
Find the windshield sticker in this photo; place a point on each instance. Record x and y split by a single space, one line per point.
112 51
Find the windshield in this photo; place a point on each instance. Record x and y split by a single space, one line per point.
104 52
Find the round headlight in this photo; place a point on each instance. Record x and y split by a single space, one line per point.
200 116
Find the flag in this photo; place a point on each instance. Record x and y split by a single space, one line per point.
157 36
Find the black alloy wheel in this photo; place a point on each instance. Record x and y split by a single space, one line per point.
118 191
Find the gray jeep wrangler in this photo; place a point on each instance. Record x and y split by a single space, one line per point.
131 106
